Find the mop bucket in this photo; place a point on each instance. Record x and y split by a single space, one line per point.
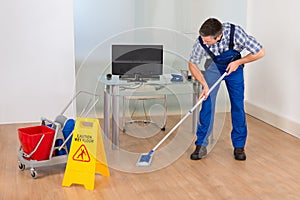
36 142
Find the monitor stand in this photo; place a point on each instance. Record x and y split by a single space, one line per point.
137 78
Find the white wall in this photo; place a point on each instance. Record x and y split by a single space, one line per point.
272 84
187 16
234 11
37 59
173 23
99 20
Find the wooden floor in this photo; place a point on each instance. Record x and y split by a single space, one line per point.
271 171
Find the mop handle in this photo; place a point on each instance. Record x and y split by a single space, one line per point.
190 111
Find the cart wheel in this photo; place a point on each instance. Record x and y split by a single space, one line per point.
33 173
21 166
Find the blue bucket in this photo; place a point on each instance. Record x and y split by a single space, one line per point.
67 130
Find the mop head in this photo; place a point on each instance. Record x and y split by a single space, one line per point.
145 159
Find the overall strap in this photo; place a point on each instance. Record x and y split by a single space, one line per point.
232 28
211 54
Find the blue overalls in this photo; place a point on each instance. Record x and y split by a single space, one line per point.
235 87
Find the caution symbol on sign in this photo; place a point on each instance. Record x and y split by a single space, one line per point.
82 154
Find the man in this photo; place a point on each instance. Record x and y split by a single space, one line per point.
223 44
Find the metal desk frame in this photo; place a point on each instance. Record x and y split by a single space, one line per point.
112 106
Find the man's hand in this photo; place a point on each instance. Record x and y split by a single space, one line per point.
246 59
204 93
232 67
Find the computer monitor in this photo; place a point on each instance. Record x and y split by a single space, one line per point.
137 61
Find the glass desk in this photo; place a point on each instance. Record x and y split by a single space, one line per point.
116 88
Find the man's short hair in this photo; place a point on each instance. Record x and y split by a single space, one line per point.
211 27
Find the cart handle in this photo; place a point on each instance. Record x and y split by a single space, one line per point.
74 97
69 136
47 120
57 126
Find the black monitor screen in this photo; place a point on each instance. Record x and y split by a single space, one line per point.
143 61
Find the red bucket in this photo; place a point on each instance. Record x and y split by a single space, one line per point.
29 138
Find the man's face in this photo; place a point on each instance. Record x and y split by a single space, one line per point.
209 40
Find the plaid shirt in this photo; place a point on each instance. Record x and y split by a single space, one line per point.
241 41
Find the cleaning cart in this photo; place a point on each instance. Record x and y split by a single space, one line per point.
49 143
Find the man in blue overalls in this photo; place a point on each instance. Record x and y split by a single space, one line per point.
223 44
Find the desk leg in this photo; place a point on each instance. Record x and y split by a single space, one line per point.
196 93
115 117
106 111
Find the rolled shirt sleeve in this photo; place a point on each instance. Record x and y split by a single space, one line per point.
197 53
245 41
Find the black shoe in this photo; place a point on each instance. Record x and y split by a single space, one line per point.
239 154
199 153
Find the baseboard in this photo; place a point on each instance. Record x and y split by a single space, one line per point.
273 119
20 122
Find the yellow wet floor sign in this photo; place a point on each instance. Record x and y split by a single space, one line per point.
87 155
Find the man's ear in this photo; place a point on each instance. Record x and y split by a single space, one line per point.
219 37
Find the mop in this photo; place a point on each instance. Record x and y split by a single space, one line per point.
146 158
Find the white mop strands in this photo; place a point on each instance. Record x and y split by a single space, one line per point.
146 158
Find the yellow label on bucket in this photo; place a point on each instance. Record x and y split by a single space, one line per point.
87 154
